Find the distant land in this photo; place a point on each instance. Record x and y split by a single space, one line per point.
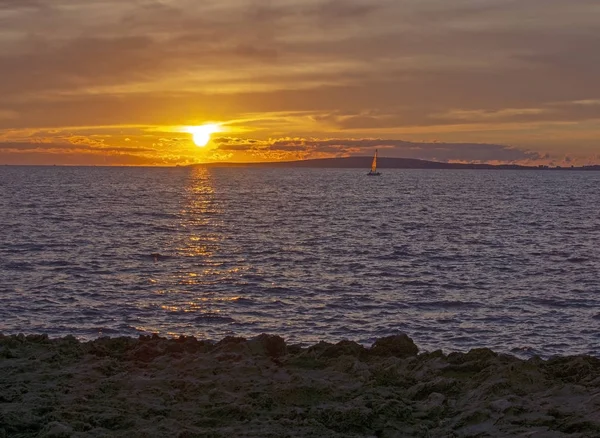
389 163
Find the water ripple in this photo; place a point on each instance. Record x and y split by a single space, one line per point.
457 259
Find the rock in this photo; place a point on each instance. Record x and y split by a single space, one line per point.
145 352
192 345
345 419
438 384
39 339
398 345
227 340
435 400
56 430
433 406
501 405
474 355
270 345
573 369
360 370
7 353
113 347
294 349
318 349
344 348
431 355
232 344
174 347
473 362
187 387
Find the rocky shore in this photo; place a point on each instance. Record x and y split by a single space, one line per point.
157 387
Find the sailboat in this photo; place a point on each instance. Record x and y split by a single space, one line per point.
373 171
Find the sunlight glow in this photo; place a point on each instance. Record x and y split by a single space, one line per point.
201 134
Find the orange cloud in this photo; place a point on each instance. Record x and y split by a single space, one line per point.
464 72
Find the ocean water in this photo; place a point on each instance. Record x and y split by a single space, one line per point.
456 259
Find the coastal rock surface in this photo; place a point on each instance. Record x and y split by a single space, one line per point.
157 387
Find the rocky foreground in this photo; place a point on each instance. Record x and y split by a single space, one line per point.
156 387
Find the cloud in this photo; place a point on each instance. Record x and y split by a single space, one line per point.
343 9
8 115
83 153
61 148
147 145
154 41
353 68
445 152
19 4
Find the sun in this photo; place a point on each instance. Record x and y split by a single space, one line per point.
201 134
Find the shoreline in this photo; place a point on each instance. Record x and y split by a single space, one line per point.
262 387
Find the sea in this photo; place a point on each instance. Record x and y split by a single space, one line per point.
456 259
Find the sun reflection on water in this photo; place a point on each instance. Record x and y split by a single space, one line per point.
194 297
201 215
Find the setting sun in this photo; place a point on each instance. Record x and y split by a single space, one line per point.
201 134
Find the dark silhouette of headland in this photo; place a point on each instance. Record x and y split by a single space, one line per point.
390 163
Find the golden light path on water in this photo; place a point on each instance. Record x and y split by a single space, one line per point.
199 238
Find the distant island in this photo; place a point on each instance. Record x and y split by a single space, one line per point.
391 163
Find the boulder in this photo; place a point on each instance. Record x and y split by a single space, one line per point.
344 348
55 429
269 345
398 346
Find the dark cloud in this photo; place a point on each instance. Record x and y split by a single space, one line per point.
395 106
59 151
62 147
341 9
255 52
79 63
20 4
462 66
160 150
79 158
463 152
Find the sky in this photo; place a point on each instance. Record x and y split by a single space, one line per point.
112 82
